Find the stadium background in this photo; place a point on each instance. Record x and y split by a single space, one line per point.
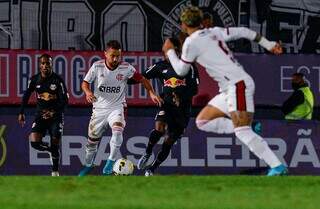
75 32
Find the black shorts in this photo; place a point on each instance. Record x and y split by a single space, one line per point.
54 126
177 118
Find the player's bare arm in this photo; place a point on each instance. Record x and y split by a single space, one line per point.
167 45
21 119
85 86
154 97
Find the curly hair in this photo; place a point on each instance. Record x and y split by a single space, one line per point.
191 16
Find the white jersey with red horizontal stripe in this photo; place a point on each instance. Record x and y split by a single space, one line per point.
110 86
208 47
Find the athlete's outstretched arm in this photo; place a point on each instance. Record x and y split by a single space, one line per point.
234 33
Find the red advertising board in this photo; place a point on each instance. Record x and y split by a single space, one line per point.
17 66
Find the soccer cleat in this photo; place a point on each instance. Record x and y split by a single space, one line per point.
148 173
257 127
85 170
280 170
55 173
142 163
108 168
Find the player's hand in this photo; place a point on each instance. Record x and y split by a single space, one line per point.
21 119
176 99
90 97
47 114
167 45
156 99
277 49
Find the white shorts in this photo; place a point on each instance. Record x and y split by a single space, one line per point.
102 118
238 97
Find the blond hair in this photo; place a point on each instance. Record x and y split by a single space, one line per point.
191 16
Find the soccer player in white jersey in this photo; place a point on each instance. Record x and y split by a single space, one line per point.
110 78
208 48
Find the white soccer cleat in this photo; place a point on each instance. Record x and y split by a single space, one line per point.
55 173
148 173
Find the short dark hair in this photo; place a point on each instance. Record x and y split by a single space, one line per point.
301 75
114 44
206 16
45 55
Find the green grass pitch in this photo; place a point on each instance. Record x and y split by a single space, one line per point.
160 192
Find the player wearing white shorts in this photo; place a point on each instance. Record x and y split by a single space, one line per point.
208 48
110 78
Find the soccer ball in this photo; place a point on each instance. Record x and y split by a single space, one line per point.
123 167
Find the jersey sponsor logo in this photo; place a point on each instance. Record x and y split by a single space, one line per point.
174 82
119 77
47 96
110 89
217 9
53 87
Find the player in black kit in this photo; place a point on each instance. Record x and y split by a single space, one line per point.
173 116
52 98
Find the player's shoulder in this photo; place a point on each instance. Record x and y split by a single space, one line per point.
99 63
162 63
35 77
125 66
57 77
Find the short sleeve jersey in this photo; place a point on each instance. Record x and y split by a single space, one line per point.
110 86
208 48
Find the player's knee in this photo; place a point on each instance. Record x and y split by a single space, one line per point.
92 145
173 136
167 144
55 140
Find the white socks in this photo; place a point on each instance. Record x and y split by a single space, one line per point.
257 145
115 142
91 151
218 125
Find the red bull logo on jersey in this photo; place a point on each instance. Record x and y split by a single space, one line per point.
174 82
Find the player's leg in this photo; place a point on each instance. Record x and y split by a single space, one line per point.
95 130
177 120
154 137
169 140
213 117
241 110
117 124
37 132
55 131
